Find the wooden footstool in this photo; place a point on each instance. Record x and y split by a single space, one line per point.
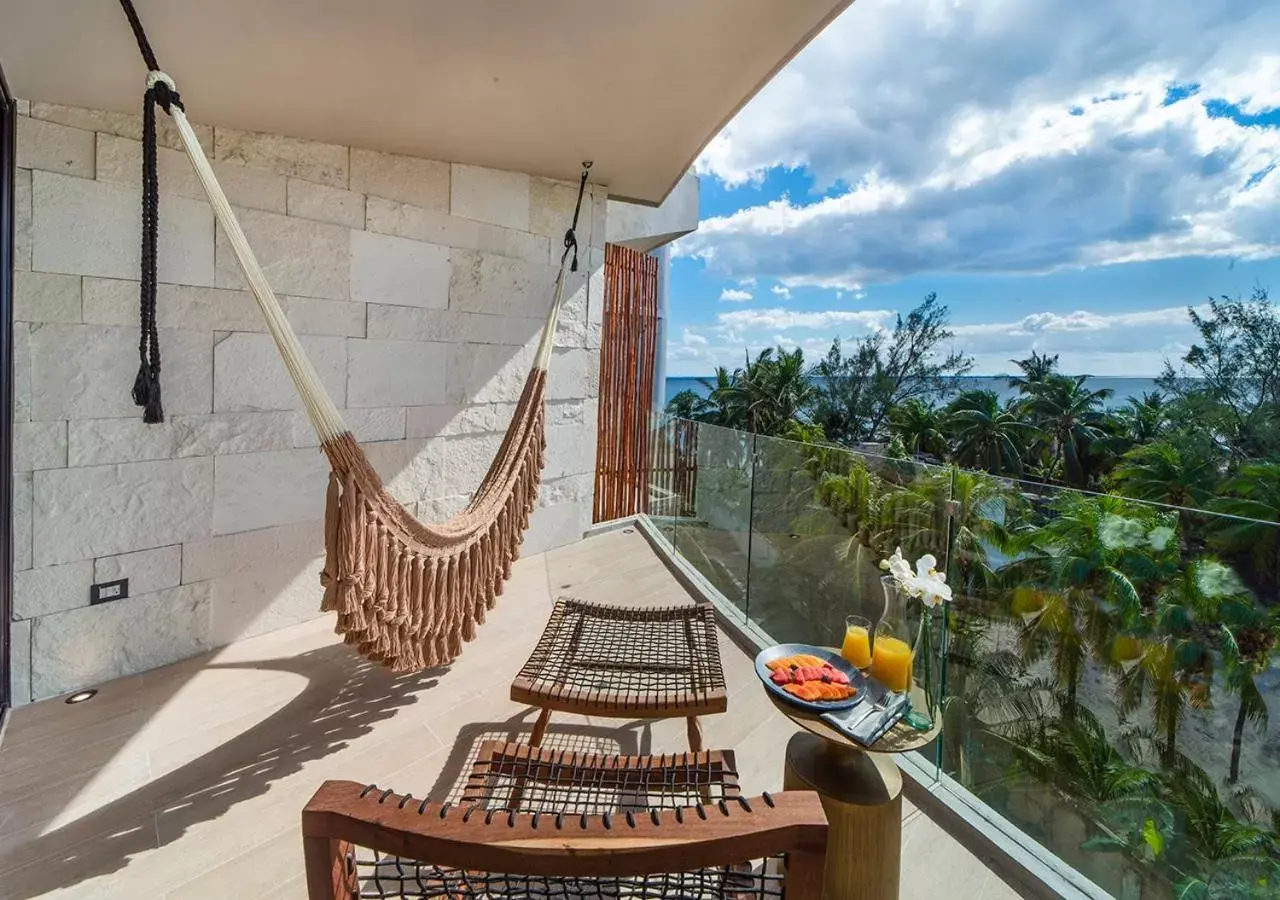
625 662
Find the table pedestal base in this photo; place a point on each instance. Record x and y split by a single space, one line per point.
862 797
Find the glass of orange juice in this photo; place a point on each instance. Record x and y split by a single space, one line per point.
891 659
857 641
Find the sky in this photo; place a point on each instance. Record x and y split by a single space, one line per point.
1068 175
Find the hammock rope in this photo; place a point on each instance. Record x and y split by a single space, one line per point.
406 594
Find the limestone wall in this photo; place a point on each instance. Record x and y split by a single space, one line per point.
418 288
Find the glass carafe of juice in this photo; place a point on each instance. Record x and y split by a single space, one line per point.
893 651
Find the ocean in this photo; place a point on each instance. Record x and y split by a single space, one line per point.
1122 388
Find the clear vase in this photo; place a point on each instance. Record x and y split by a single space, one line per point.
902 658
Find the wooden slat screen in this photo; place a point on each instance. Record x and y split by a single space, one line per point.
673 468
628 353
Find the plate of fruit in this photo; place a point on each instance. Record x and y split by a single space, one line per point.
812 678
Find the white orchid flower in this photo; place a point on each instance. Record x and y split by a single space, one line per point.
931 583
924 582
900 569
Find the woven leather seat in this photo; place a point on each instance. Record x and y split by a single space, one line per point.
632 662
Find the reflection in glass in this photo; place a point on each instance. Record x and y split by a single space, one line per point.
1105 663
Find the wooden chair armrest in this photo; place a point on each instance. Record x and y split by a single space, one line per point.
343 813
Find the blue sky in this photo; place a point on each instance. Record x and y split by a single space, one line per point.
1068 175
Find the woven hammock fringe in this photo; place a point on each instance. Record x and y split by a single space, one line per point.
407 595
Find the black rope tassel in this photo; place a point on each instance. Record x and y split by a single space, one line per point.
571 236
146 387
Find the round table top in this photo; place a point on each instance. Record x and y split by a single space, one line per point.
900 738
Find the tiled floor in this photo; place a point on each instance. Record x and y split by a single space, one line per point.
188 781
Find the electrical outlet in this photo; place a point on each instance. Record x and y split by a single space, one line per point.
107 591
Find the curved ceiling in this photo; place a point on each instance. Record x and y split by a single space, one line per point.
638 87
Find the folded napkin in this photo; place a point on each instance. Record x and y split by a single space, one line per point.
871 719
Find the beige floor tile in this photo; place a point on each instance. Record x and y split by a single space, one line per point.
934 864
266 867
56 804
188 781
42 770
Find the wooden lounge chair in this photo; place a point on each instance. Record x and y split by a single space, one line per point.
360 841
510 776
625 662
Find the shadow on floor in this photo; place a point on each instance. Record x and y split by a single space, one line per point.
344 697
625 739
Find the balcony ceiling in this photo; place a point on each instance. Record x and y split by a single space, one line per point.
638 87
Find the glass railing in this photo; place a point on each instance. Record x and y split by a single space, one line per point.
1105 665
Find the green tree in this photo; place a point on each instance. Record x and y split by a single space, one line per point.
1247 641
725 401
1070 414
1077 755
689 404
1144 418
1253 499
1096 561
884 371
1035 369
1212 833
775 388
1183 474
764 397
919 426
988 435
1230 376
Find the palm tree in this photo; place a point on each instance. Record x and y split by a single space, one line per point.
689 404
780 388
1175 670
764 396
1248 639
1095 561
1212 832
981 510
724 399
1036 369
1077 755
1070 414
1144 418
919 426
1254 502
987 434
1165 473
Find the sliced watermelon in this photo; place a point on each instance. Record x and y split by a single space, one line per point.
835 676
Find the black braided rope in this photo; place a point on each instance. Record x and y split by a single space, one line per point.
571 236
140 35
146 386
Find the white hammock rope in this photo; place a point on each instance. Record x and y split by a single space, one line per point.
324 415
406 594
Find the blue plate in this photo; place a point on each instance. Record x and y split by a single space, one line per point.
856 678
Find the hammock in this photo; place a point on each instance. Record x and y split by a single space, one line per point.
406 594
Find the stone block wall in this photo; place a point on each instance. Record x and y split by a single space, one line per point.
418 287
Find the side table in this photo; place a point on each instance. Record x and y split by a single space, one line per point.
861 791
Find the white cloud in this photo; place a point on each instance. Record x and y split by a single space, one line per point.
1088 341
781 291
1020 138
733 295
783 319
